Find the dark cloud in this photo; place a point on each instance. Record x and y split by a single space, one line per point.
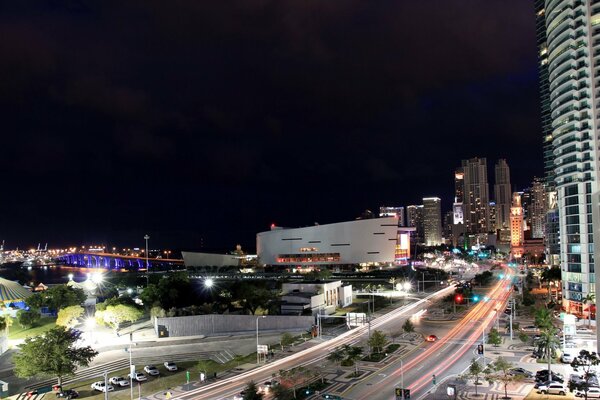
212 119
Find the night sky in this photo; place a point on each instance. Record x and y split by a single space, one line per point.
203 122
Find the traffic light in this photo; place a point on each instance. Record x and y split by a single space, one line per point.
406 394
480 349
458 298
475 298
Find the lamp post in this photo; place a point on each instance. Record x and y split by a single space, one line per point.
130 364
257 354
402 377
146 238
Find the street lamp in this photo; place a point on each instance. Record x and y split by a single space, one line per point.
257 354
406 286
146 238
208 283
70 277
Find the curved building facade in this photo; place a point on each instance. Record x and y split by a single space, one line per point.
376 241
572 57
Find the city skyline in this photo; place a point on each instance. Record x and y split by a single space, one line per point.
156 129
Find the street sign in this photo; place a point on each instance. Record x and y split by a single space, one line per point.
187 376
451 390
262 349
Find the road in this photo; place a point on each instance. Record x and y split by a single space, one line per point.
228 387
449 355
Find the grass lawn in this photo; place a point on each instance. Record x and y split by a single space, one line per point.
153 385
44 324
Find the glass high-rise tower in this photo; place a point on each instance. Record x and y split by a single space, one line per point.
569 57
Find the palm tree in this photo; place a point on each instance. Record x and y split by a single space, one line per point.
591 299
336 357
548 343
353 354
551 275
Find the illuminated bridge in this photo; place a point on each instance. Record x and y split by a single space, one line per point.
115 261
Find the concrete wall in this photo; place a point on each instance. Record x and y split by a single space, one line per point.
215 324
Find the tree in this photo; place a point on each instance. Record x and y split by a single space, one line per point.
588 362
548 344
251 392
68 316
52 353
551 276
5 323
408 326
590 299
206 366
56 297
475 372
28 318
286 340
172 290
293 377
252 297
336 357
61 296
377 341
114 316
499 371
543 318
484 278
352 355
494 337
523 337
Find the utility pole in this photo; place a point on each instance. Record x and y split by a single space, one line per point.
512 311
146 238
130 364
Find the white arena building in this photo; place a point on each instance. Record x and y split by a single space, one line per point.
373 242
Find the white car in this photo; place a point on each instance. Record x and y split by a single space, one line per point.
553 388
170 366
119 381
101 387
566 358
151 370
593 393
138 376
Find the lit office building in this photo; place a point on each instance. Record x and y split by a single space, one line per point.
397 212
502 195
571 53
537 209
414 218
432 221
476 196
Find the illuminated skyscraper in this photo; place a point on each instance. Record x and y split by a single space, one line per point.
476 196
537 208
569 57
502 194
414 218
516 227
397 212
432 221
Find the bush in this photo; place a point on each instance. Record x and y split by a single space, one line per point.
392 348
28 318
347 363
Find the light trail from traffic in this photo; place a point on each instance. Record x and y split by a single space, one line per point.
483 312
307 356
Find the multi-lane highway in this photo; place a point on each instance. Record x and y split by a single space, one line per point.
440 358
228 387
446 356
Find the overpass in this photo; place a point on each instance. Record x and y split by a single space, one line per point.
114 261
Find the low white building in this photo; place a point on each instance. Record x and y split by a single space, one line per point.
374 242
319 297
